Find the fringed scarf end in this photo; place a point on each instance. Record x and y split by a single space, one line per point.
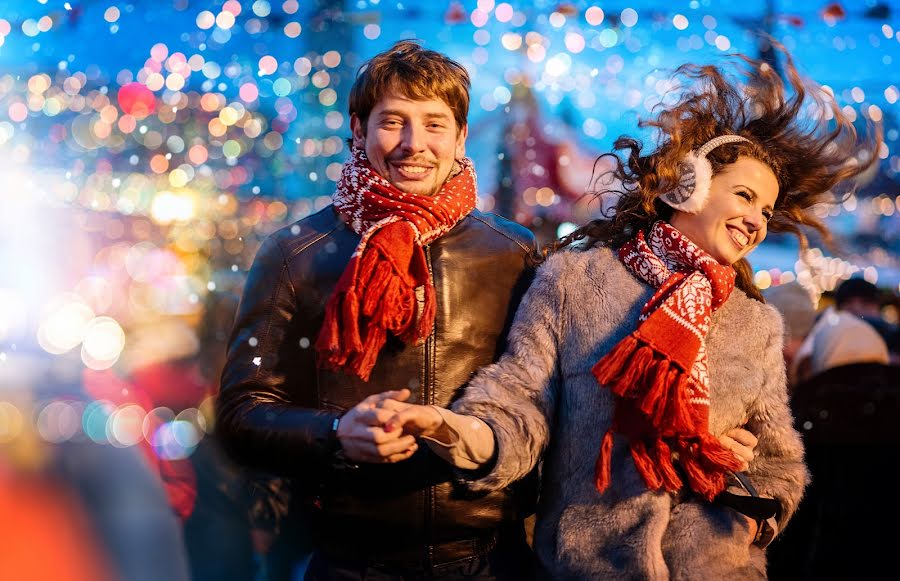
706 462
602 467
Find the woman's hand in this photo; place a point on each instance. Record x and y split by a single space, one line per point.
742 444
754 528
415 420
364 434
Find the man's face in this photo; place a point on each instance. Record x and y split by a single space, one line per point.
862 307
412 144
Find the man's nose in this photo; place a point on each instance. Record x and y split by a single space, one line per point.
413 139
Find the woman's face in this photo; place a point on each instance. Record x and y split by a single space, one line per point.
741 201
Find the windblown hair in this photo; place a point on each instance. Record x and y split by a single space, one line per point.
409 70
804 137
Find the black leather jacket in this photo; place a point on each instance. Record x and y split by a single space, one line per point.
276 408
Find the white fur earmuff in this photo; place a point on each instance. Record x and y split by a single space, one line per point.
692 191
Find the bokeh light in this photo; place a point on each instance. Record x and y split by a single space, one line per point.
64 324
103 342
148 150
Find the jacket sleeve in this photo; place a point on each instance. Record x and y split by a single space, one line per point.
516 396
258 422
779 470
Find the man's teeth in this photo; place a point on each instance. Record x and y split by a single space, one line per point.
413 169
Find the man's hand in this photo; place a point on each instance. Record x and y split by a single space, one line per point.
363 435
741 443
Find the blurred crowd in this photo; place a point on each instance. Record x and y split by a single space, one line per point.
843 363
107 475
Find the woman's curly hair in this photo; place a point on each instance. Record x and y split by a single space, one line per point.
804 137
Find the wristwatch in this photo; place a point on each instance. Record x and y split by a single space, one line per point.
339 461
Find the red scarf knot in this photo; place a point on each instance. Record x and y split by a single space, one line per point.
659 374
376 294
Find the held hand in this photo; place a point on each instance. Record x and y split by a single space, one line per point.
742 443
413 419
417 420
363 437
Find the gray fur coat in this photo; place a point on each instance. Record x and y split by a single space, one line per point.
541 400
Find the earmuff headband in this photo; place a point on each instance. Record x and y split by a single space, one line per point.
692 192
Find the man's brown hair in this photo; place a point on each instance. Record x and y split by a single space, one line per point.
414 72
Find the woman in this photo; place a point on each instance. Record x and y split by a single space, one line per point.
632 354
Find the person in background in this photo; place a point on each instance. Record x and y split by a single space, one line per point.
156 370
799 313
842 339
173 365
854 297
75 506
847 412
858 297
232 507
864 300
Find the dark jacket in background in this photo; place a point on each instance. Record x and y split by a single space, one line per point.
849 417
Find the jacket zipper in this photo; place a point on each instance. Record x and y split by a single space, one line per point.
428 371
428 399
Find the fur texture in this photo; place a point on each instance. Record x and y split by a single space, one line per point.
541 400
692 191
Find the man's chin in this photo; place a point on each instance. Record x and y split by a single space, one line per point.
417 189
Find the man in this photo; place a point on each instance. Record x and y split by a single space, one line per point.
859 297
400 290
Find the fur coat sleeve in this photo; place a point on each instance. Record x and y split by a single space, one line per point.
779 470
516 396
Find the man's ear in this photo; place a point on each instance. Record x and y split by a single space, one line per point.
359 131
461 142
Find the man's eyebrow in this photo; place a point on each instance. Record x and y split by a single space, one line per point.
398 113
389 112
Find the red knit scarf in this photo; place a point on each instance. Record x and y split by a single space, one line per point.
377 292
659 373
